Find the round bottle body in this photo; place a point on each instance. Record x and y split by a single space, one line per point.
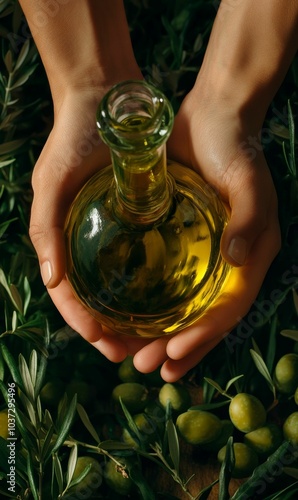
149 280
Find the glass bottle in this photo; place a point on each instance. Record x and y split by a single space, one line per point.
143 234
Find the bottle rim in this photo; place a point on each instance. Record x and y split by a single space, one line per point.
134 98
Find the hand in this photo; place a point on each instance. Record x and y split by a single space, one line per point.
212 138
72 153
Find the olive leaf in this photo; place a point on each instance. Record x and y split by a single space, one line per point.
266 473
10 362
261 366
72 462
226 471
57 469
292 155
47 445
64 428
87 423
30 474
173 442
80 477
26 378
291 334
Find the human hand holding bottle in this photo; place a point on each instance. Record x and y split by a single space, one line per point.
213 121
246 60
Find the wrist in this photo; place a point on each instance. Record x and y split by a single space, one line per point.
86 45
249 52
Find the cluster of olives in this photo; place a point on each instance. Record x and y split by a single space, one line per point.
255 435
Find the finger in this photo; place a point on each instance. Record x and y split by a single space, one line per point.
173 370
62 169
253 203
74 314
151 356
237 298
112 347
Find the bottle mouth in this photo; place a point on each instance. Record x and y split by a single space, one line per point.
134 114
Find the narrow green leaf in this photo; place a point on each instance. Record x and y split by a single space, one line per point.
23 79
232 381
8 61
226 471
16 298
26 429
291 334
267 472
286 493
295 299
291 471
5 163
27 295
30 474
111 445
22 55
41 371
48 421
33 366
173 441
47 445
26 378
72 462
11 364
261 366
4 226
210 406
14 321
86 421
214 384
29 408
204 494
11 146
131 422
64 429
256 347
292 162
137 477
80 477
58 472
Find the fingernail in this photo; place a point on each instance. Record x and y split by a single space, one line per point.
237 250
46 272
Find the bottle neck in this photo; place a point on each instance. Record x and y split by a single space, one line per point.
143 189
135 120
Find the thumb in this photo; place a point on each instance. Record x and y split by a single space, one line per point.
253 203
47 227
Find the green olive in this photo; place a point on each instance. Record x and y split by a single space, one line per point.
246 460
264 440
198 427
85 392
148 431
118 479
133 395
247 413
4 423
52 392
296 396
93 479
290 428
127 371
177 395
217 444
286 373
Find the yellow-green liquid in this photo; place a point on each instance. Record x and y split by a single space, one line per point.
146 281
